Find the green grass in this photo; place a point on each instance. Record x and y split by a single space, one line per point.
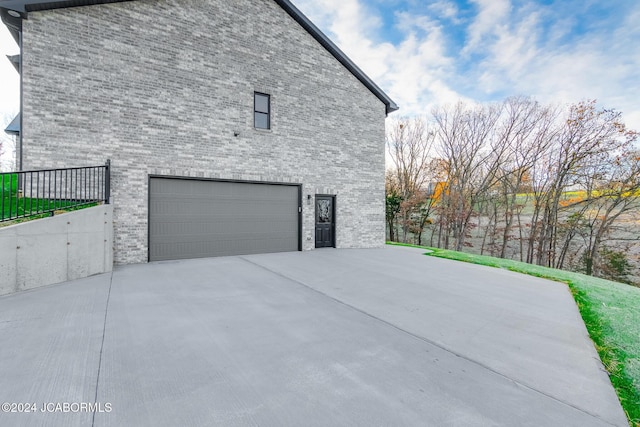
9 182
24 205
611 313
16 207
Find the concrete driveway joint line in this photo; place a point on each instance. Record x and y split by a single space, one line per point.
346 337
526 328
104 329
434 343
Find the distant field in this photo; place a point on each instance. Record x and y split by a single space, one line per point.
624 235
527 200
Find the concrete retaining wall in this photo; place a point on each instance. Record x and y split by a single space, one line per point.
51 250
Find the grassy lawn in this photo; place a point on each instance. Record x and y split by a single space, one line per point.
15 208
610 310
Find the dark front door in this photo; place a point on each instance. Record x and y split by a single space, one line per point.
325 222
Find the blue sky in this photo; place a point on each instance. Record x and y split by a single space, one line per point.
429 52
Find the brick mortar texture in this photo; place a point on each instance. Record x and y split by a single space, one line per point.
161 86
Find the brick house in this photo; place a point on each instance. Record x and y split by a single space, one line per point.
233 127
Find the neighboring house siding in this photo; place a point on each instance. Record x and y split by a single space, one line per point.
160 87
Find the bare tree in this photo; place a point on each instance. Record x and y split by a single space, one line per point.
588 133
409 144
527 131
465 140
392 203
538 184
618 194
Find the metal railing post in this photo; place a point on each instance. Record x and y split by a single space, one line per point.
107 183
23 194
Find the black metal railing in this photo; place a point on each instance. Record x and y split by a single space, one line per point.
29 193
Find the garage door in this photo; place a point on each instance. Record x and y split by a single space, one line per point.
193 219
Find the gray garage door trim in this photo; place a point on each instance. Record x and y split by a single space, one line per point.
197 217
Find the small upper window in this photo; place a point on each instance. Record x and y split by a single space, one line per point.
261 111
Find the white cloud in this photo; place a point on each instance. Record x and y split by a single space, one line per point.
419 67
445 9
519 48
352 28
412 72
490 18
522 48
525 57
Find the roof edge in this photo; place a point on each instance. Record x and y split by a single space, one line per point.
24 6
13 24
321 38
15 60
14 127
13 12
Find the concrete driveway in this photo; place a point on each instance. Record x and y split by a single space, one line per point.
323 338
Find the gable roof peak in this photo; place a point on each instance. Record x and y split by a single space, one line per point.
13 11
